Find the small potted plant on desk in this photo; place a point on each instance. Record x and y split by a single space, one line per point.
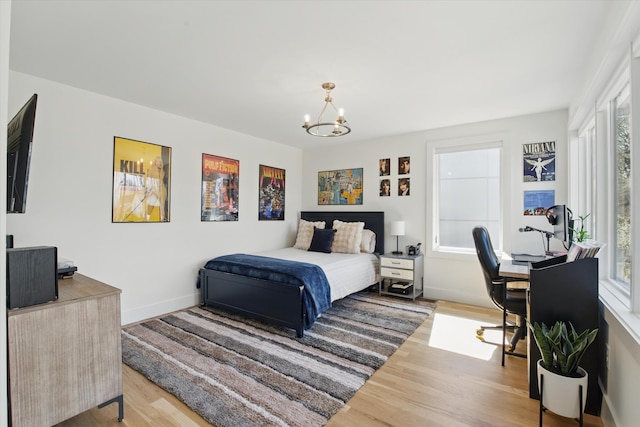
580 234
561 381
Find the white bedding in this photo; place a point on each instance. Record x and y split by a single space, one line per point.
347 273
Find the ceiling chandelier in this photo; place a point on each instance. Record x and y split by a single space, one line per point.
339 127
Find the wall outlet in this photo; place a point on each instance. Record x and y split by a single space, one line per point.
606 356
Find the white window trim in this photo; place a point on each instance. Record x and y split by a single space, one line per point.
616 303
476 142
635 180
625 308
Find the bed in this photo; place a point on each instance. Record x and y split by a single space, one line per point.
284 301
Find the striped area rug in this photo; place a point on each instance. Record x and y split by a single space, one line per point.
235 371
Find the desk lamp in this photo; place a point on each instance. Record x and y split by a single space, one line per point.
397 229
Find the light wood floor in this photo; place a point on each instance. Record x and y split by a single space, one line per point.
441 376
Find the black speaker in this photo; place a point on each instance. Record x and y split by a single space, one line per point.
32 276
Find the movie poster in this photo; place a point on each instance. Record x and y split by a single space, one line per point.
537 202
340 187
219 188
271 193
141 181
539 161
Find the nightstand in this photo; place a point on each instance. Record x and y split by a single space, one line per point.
401 275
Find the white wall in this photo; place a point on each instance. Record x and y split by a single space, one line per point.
451 277
70 184
620 376
5 34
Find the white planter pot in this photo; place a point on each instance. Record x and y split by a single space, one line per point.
560 394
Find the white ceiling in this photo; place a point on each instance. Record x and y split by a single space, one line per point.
256 67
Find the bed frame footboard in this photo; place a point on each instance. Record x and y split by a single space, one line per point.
262 299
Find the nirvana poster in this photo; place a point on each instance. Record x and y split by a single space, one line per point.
539 161
271 193
219 188
141 181
340 187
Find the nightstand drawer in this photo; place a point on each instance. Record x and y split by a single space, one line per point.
396 273
396 263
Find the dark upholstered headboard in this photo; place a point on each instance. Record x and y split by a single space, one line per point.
373 221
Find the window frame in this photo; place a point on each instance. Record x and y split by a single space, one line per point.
612 139
473 143
623 303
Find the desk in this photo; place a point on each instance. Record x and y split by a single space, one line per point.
565 291
516 271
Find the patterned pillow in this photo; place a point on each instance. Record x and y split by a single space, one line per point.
305 233
368 244
348 237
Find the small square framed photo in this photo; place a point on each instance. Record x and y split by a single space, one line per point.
404 186
404 165
385 187
384 167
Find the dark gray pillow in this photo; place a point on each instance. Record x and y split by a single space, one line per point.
322 240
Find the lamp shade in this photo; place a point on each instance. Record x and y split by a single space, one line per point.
397 228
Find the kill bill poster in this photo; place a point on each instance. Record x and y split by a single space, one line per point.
219 188
271 194
141 181
539 161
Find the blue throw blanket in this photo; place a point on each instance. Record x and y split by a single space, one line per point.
316 296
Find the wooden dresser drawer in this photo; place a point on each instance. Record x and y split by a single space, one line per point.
396 263
397 273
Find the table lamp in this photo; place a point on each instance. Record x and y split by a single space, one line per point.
397 229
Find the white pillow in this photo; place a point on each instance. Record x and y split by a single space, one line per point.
305 233
368 244
348 237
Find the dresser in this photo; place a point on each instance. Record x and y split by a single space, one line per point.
401 275
65 357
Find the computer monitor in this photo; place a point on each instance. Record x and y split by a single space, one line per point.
561 218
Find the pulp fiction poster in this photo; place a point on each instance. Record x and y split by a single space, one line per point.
271 193
141 181
220 186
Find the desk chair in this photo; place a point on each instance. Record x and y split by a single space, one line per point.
508 300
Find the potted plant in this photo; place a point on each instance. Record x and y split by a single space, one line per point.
562 348
580 234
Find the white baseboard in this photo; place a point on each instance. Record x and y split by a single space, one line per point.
142 313
447 294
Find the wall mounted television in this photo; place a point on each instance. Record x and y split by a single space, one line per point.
19 141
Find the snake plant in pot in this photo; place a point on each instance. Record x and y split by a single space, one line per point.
562 348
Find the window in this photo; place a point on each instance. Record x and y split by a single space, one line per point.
621 271
583 164
468 194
